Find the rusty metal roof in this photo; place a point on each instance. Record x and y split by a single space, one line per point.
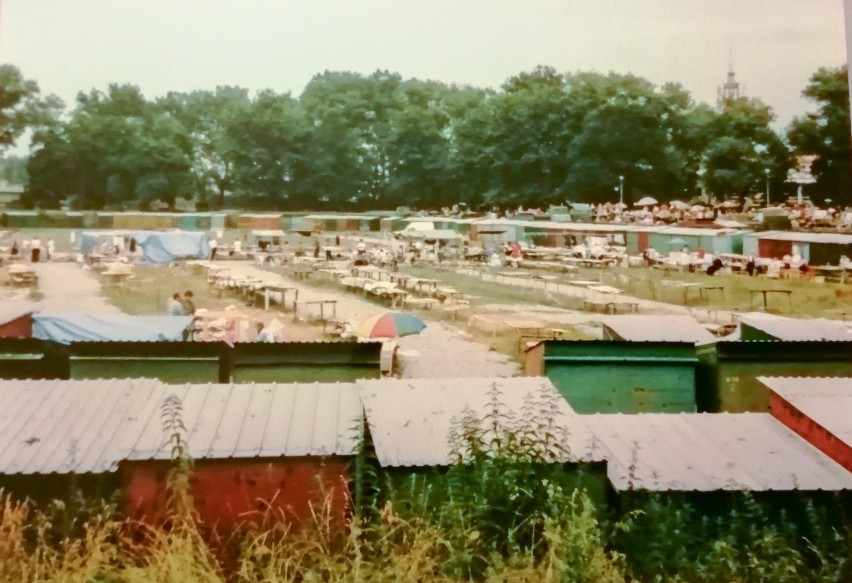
657 328
90 426
793 329
710 452
10 313
827 401
411 420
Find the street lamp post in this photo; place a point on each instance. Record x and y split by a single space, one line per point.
621 189
766 172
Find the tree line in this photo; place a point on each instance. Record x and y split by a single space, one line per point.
353 141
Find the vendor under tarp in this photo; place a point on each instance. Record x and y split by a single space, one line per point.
110 328
156 246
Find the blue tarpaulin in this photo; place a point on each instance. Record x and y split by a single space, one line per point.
109 328
166 246
156 246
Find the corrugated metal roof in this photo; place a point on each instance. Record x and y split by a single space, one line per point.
657 328
11 313
694 231
803 237
798 329
90 426
709 452
561 226
825 400
69 426
411 420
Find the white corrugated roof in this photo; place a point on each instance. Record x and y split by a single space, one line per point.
798 329
560 226
693 231
709 452
657 328
411 420
825 400
803 237
90 426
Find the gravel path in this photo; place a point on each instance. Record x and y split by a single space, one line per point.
67 289
439 351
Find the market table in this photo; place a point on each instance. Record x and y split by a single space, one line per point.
764 292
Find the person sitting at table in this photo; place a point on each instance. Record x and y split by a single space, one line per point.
175 307
188 304
264 334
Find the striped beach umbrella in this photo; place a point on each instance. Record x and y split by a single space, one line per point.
390 325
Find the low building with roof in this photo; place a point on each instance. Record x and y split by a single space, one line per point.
10 194
606 376
703 452
763 326
671 238
190 362
16 322
654 328
814 248
256 448
731 369
417 426
817 408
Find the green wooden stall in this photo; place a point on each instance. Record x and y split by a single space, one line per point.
305 362
733 368
29 358
624 377
170 362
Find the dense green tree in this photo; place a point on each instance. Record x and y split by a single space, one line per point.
269 143
417 147
627 127
116 150
353 141
21 105
209 117
741 146
826 133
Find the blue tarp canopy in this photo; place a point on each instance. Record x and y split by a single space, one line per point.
166 246
109 328
156 246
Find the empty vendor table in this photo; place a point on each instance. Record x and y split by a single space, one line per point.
704 291
764 292
270 289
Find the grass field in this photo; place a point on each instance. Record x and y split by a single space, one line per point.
807 299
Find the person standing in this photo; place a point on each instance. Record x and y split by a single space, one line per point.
214 246
36 250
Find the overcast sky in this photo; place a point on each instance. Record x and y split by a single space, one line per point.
162 45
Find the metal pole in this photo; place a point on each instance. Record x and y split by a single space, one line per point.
767 187
621 189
